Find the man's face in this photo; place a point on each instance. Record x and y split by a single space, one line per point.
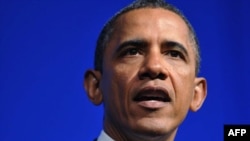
148 80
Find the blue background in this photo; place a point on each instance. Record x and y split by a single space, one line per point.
45 47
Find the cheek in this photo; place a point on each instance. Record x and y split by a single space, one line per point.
114 77
183 84
111 87
115 87
113 99
125 73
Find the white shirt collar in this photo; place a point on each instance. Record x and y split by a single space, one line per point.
104 137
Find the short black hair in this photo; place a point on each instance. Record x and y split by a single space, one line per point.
108 29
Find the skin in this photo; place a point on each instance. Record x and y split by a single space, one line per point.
149 49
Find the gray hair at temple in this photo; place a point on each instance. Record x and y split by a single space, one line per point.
108 29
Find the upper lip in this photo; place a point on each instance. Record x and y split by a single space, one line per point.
152 93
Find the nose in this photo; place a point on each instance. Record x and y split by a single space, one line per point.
153 67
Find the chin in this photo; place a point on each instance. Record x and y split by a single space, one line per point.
155 128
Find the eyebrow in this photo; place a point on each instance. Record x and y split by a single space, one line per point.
134 42
142 43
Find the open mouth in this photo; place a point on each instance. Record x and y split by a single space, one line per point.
152 95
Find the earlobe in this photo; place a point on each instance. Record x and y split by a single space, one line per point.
200 93
91 85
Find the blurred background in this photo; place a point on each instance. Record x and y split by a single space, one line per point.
46 45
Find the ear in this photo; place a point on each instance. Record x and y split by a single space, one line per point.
200 93
91 84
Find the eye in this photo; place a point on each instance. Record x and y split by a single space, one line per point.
175 54
131 52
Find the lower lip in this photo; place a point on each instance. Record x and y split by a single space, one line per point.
152 104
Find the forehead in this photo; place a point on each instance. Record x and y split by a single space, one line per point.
152 23
152 14
150 19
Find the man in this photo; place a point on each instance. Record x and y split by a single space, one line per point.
146 66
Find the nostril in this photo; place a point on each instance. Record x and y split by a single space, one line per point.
162 76
144 76
151 75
